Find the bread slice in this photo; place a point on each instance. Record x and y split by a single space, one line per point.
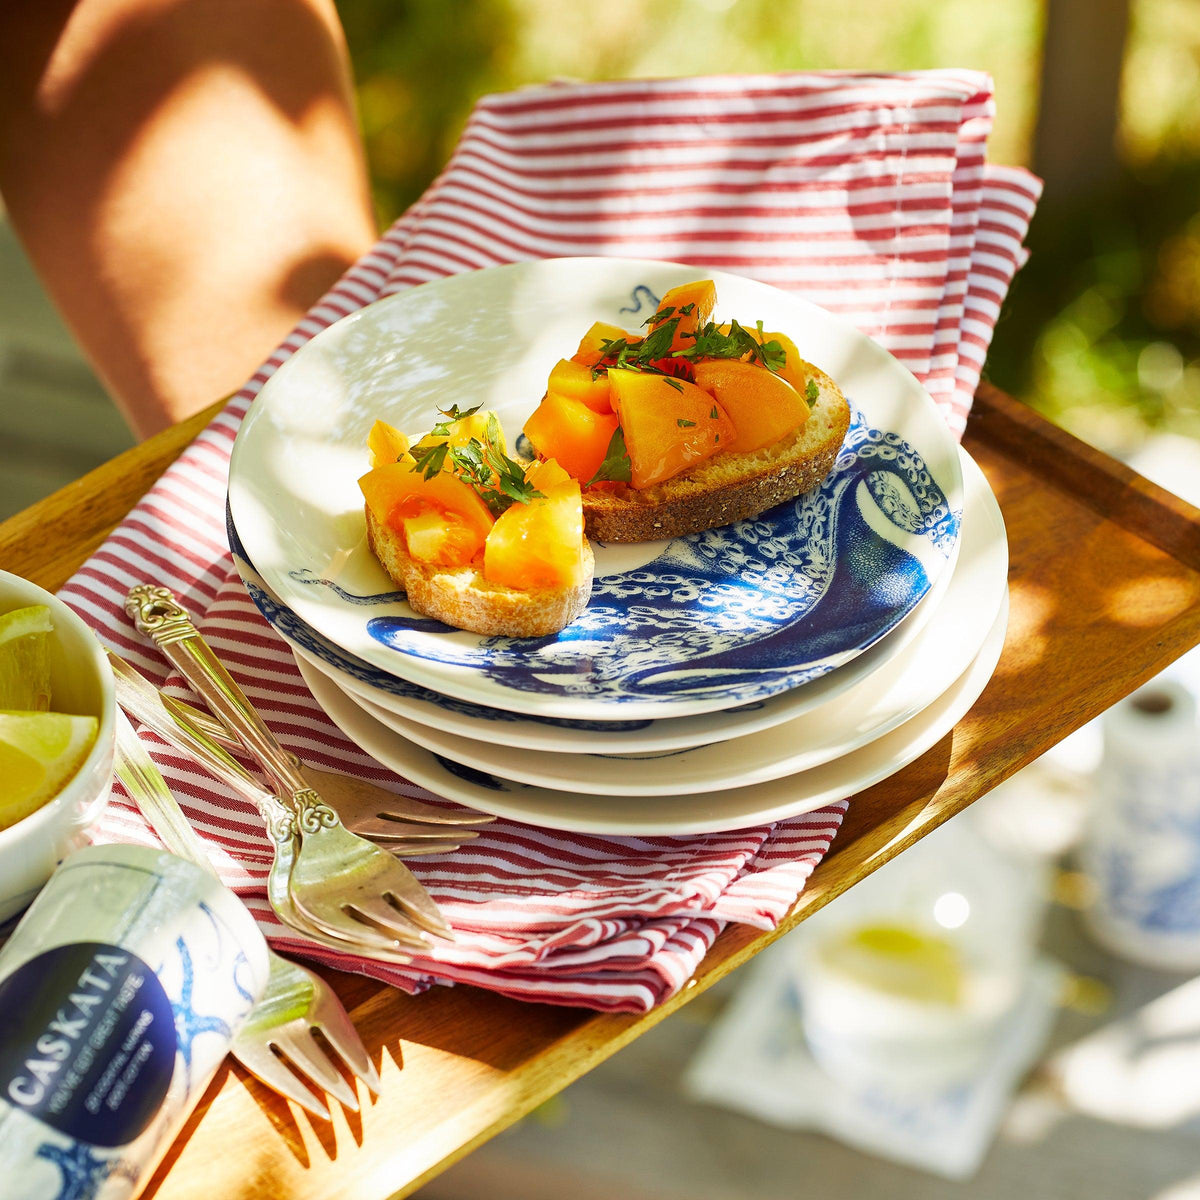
727 487
462 597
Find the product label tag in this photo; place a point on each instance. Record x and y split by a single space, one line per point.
87 1042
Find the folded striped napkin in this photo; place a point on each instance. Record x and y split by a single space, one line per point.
868 194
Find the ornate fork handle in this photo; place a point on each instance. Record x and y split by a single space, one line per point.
157 614
174 724
201 721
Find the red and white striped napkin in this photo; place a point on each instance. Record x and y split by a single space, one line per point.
868 194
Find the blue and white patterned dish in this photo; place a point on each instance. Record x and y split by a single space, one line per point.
869 709
707 810
400 698
702 623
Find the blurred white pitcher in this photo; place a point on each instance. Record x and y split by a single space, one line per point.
1141 847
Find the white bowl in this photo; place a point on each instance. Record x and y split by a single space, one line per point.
82 683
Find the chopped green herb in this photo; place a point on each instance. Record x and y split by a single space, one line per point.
714 415
684 423
658 343
616 467
483 465
707 341
774 356
430 459
452 414
812 393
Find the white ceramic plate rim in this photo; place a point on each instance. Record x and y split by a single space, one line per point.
888 388
929 661
893 694
707 812
663 733
682 733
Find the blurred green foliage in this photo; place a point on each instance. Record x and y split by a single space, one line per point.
421 64
1102 329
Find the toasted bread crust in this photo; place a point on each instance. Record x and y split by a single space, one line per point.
464 599
728 487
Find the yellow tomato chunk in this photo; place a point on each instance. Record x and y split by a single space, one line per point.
572 433
575 381
591 345
386 444
763 407
461 431
398 492
699 299
441 539
670 425
546 473
539 544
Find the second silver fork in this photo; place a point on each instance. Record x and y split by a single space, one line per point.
296 1002
341 882
406 827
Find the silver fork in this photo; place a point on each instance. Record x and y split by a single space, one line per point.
280 1029
138 697
342 883
148 707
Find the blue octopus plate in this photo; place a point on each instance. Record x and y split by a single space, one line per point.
674 628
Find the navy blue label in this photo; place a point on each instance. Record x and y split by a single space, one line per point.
87 1042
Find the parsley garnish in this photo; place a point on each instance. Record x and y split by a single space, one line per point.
714 415
452 414
651 352
684 423
657 344
644 355
498 480
430 459
812 393
707 342
616 466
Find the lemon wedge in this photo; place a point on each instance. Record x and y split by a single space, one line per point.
25 659
900 961
39 752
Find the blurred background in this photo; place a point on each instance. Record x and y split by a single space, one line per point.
1101 332
1100 97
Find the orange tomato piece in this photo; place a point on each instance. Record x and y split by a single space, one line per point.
386 444
591 345
792 369
539 544
440 539
572 433
669 425
763 406
460 432
699 297
545 474
397 493
574 380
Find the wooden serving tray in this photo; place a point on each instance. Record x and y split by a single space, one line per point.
1105 592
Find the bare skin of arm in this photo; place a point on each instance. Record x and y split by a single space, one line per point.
187 177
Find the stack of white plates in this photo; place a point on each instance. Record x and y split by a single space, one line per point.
716 681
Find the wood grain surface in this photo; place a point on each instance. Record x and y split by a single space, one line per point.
1105 592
